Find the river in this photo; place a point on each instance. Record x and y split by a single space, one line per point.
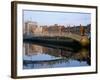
41 55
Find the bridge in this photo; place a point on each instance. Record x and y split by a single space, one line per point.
65 35
57 38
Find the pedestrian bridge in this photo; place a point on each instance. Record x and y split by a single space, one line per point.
52 35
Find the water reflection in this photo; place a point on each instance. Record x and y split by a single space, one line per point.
52 56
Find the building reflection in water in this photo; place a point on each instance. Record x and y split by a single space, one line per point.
51 56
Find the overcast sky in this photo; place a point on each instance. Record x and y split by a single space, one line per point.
61 18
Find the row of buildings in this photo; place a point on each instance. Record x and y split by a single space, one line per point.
33 28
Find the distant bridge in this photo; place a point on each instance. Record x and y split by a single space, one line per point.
52 35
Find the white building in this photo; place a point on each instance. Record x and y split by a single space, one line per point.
32 28
29 27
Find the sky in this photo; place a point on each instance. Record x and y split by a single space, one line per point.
61 18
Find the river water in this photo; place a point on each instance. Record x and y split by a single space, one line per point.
37 56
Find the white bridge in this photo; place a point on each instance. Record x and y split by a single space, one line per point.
66 35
